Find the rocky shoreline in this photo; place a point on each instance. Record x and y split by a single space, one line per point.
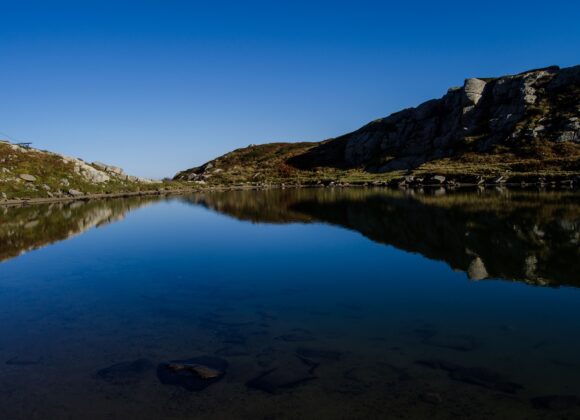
438 184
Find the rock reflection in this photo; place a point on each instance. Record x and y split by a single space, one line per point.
26 228
514 235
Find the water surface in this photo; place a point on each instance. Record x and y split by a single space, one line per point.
330 303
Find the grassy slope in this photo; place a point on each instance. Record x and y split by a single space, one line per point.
273 163
50 170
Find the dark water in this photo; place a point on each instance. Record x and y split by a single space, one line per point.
338 304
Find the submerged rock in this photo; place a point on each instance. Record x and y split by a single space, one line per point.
204 372
428 335
483 377
192 374
125 373
282 378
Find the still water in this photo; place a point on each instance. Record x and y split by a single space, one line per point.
323 304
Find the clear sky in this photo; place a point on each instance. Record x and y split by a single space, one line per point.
160 86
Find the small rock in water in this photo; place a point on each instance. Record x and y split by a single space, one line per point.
192 374
204 372
125 373
282 378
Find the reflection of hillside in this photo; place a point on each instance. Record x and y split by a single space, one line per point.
524 236
26 228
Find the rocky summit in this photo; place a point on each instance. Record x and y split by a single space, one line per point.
520 126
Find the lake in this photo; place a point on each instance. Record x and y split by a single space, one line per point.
327 303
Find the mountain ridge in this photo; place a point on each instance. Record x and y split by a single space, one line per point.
527 124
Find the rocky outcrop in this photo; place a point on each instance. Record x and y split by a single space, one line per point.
526 124
483 114
29 172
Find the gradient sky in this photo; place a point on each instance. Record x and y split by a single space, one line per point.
160 86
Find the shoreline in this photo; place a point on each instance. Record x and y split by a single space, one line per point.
181 191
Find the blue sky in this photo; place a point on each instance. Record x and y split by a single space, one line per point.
160 86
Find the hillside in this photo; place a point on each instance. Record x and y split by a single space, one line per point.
31 173
520 127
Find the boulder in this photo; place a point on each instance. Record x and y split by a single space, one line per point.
287 375
125 373
107 168
75 193
569 136
27 177
115 170
437 179
100 166
193 374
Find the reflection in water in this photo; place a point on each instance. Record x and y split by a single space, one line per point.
25 228
524 236
183 313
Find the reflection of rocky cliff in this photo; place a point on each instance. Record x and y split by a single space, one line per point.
524 236
26 228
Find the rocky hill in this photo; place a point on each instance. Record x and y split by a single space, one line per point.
31 173
520 127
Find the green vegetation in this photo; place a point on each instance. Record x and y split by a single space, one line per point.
54 176
269 164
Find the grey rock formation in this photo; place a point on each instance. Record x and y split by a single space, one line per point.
477 117
108 168
473 89
27 177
